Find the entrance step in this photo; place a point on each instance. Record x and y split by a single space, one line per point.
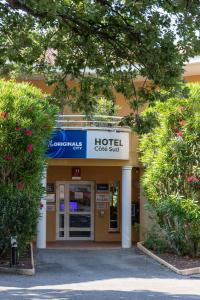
81 245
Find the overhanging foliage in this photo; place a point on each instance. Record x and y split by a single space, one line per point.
102 44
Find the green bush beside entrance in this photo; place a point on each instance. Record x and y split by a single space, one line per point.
26 121
171 156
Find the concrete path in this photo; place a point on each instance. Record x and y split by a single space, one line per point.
98 274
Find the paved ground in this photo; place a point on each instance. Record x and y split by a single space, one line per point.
98 274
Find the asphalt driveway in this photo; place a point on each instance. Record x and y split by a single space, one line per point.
98 274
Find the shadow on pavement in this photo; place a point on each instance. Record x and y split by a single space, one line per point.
94 295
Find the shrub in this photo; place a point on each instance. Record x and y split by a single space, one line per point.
170 154
26 121
155 242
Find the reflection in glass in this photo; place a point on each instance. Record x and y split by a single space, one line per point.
82 221
61 221
73 206
62 205
114 206
80 198
80 188
61 233
79 233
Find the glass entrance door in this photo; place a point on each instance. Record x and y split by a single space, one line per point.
75 207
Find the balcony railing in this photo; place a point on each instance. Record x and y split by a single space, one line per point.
90 122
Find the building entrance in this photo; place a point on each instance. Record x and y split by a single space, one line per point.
75 210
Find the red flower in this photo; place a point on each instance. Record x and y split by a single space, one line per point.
192 179
20 185
41 205
180 134
28 132
17 128
29 148
183 123
4 115
8 157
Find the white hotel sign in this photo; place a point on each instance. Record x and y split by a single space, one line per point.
107 145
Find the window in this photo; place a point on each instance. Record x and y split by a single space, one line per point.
114 207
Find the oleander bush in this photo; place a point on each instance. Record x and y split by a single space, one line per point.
171 157
26 121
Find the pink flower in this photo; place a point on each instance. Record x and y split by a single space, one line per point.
189 179
28 132
8 157
192 179
29 148
4 115
17 128
20 185
180 134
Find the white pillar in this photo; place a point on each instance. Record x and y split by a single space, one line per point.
41 227
126 207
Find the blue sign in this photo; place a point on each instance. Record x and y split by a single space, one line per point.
67 144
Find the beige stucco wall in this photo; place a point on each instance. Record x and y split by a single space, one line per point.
192 78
